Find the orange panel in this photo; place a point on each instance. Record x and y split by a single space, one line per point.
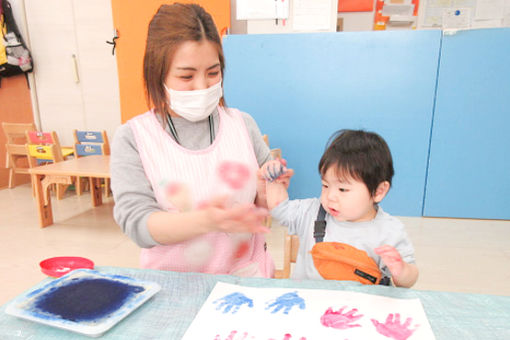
15 107
131 19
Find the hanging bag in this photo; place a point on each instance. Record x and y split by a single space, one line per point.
15 57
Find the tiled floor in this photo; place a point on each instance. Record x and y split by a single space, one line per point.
453 254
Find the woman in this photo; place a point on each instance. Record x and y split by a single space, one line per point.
167 164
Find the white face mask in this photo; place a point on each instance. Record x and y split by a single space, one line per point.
195 105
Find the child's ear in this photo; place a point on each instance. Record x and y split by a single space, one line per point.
381 191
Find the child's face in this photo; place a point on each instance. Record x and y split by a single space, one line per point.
346 199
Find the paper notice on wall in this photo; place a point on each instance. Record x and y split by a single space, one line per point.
434 10
312 15
262 9
397 9
489 9
457 18
433 13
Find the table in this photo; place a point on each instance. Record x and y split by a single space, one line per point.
169 313
93 167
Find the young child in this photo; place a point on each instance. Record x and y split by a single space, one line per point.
356 171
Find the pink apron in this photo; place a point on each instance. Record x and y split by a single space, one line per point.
165 161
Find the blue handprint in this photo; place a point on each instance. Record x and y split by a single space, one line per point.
286 301
235 300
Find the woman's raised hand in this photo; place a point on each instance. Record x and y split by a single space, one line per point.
241 218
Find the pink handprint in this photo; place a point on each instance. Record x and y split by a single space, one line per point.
340 320
393 329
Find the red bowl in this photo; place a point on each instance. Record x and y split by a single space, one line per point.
58 266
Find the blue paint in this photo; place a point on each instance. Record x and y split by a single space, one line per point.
86 299
457 12
235 301
287 301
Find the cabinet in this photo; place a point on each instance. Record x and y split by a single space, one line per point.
75 73
469 167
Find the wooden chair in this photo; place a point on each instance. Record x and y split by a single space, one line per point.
38 154
87 143
16 153
290 250
44 147
48 138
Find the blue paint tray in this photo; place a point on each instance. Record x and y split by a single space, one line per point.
84 301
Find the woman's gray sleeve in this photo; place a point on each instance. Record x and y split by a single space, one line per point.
259 146
132 191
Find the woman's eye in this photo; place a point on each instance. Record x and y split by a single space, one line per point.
214 74
343 190
324 185
186 77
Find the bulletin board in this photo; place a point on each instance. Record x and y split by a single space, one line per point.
464 14
378 81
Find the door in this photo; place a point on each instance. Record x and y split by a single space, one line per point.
74 69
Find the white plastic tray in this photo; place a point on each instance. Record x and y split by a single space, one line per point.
28 305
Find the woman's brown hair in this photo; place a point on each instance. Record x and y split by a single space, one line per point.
170 26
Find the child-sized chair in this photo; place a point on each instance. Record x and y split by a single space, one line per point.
48 138
38 154
290 250
16 153
88 143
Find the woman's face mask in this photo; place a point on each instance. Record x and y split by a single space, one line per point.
195 105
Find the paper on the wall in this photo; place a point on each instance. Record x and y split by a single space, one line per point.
262 9
236 312
311 15
489 9
397 9
457 18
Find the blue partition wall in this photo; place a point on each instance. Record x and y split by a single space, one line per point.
469 171
300 88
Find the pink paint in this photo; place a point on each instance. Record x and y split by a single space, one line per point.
173 188
243 247
287 336
339 320
231 335
393 329
234 174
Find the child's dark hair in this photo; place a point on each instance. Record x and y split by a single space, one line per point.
359 154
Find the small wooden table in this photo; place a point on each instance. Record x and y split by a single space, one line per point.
93 167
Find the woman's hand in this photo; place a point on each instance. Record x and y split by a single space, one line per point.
242 218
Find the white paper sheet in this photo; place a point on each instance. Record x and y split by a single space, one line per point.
262 9
489 9
311 15
233 312
457 18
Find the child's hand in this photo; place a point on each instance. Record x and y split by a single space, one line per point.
276 170
391 258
